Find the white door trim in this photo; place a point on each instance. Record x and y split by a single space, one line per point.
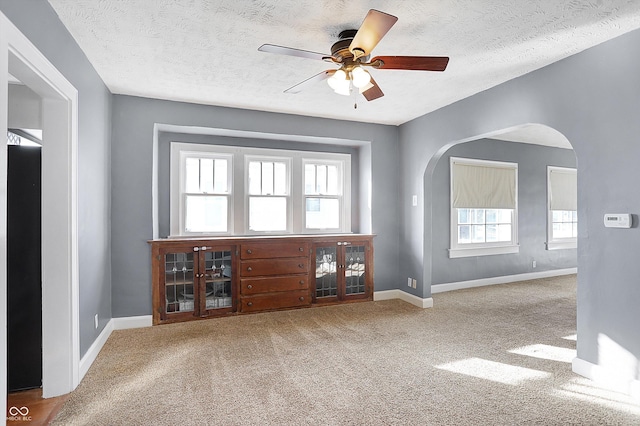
60 276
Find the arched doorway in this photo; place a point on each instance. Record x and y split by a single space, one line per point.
534 147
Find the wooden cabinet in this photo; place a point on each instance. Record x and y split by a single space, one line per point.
220 276
192 281
343 270
274 275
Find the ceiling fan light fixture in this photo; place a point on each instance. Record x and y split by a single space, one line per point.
360 77
344 88
337 79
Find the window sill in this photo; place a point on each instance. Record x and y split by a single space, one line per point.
562 245
483 251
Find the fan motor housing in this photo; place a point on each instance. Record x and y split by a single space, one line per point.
340 49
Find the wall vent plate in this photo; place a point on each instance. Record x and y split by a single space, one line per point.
617 220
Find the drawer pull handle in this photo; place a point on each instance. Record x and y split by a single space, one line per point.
249 251
249 286
249 268
302 298
301 249
301 282
249 303
300 265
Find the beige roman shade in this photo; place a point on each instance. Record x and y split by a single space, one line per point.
483 185
563 189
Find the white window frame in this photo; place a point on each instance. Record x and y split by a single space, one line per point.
344 191
179 153
238 215
268 157
557 243
458 250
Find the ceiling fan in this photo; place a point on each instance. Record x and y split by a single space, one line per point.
352 52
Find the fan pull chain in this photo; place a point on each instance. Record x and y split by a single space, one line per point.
355 98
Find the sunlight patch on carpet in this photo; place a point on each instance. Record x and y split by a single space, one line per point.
591 392
552 353
494 371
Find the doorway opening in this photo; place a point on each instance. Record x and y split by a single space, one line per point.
19 59
24 257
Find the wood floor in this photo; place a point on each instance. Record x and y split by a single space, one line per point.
40 411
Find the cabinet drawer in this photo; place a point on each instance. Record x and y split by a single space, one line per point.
272 250
290 299
250 286
280 266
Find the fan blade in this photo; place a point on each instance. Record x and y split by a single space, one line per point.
375 25
418 63
290 51
311 80
373 92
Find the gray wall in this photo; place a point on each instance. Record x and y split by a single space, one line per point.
132 151
532 163
38 21
593 98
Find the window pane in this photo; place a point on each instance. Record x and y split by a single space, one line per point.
332 180
268 214
497 227
309 179
504 233
280 179
477 234
562 230
206 214
322 213
220 174
192 183
504 216
492 215
477 216
574 216
575 230
321 183
463 216
491 233
267 179
464 234
206 175
254 178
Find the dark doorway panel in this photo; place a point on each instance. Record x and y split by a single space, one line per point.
24 268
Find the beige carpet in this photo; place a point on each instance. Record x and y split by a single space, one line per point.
496 355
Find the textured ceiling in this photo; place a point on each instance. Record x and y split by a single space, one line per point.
206 51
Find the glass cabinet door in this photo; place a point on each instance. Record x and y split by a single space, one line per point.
218 275
178 282
354 269
326 273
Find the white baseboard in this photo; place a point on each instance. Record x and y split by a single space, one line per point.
607 378
94 349
440 288
113 324
399 294
125 323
